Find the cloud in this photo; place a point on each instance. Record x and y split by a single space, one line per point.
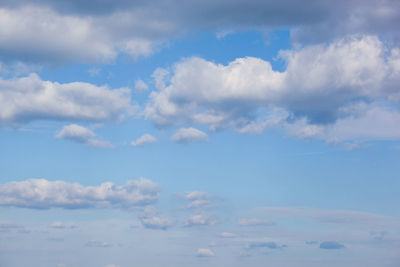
156 222
44 194
188 136
29 98
140 86
198 199
361 219
255 222
227 235
270 245
81 135
323 88
200 220
60 225
331 245
97 31
6 227
144 140
205 252
97 244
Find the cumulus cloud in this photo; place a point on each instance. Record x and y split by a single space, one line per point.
81 135
322 89
331 245
59 31
30 98
140 86
44 194
144 140
205 252
188 136
152 219
255 222
200 220
198 199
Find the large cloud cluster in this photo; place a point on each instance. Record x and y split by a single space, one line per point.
44 194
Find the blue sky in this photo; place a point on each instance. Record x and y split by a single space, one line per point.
212 133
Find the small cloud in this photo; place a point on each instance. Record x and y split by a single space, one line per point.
60 225
205 253
222 34
140 86
200 220
227 235
144 140
255 222
97 244
311 242
270 245
156 222
331 245
188 136
83 135
198 199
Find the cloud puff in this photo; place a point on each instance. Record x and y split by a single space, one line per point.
198 199
321 89
82 135
156 222
255 222
30 98
140 86
270 245
144 140
331 245
97 244
200 220
205 252
44 194
60 225
227 235
188 136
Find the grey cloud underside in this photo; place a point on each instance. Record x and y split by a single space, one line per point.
96 31
44 194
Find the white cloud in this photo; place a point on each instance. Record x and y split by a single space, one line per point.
255 222
30 98
200 220
198 199
205 252
144 140
97 244
322 85
44 194
60 225
140 86
156 222
227 235
82 135
188 136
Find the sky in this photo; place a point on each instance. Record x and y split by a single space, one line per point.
199 133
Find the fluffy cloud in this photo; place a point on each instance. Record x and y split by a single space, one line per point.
156 222
198 199
44 194
205 252
30 98
331 245
59 31
270 245
82 135
188 136
144 140
200 220
255 222
322 88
